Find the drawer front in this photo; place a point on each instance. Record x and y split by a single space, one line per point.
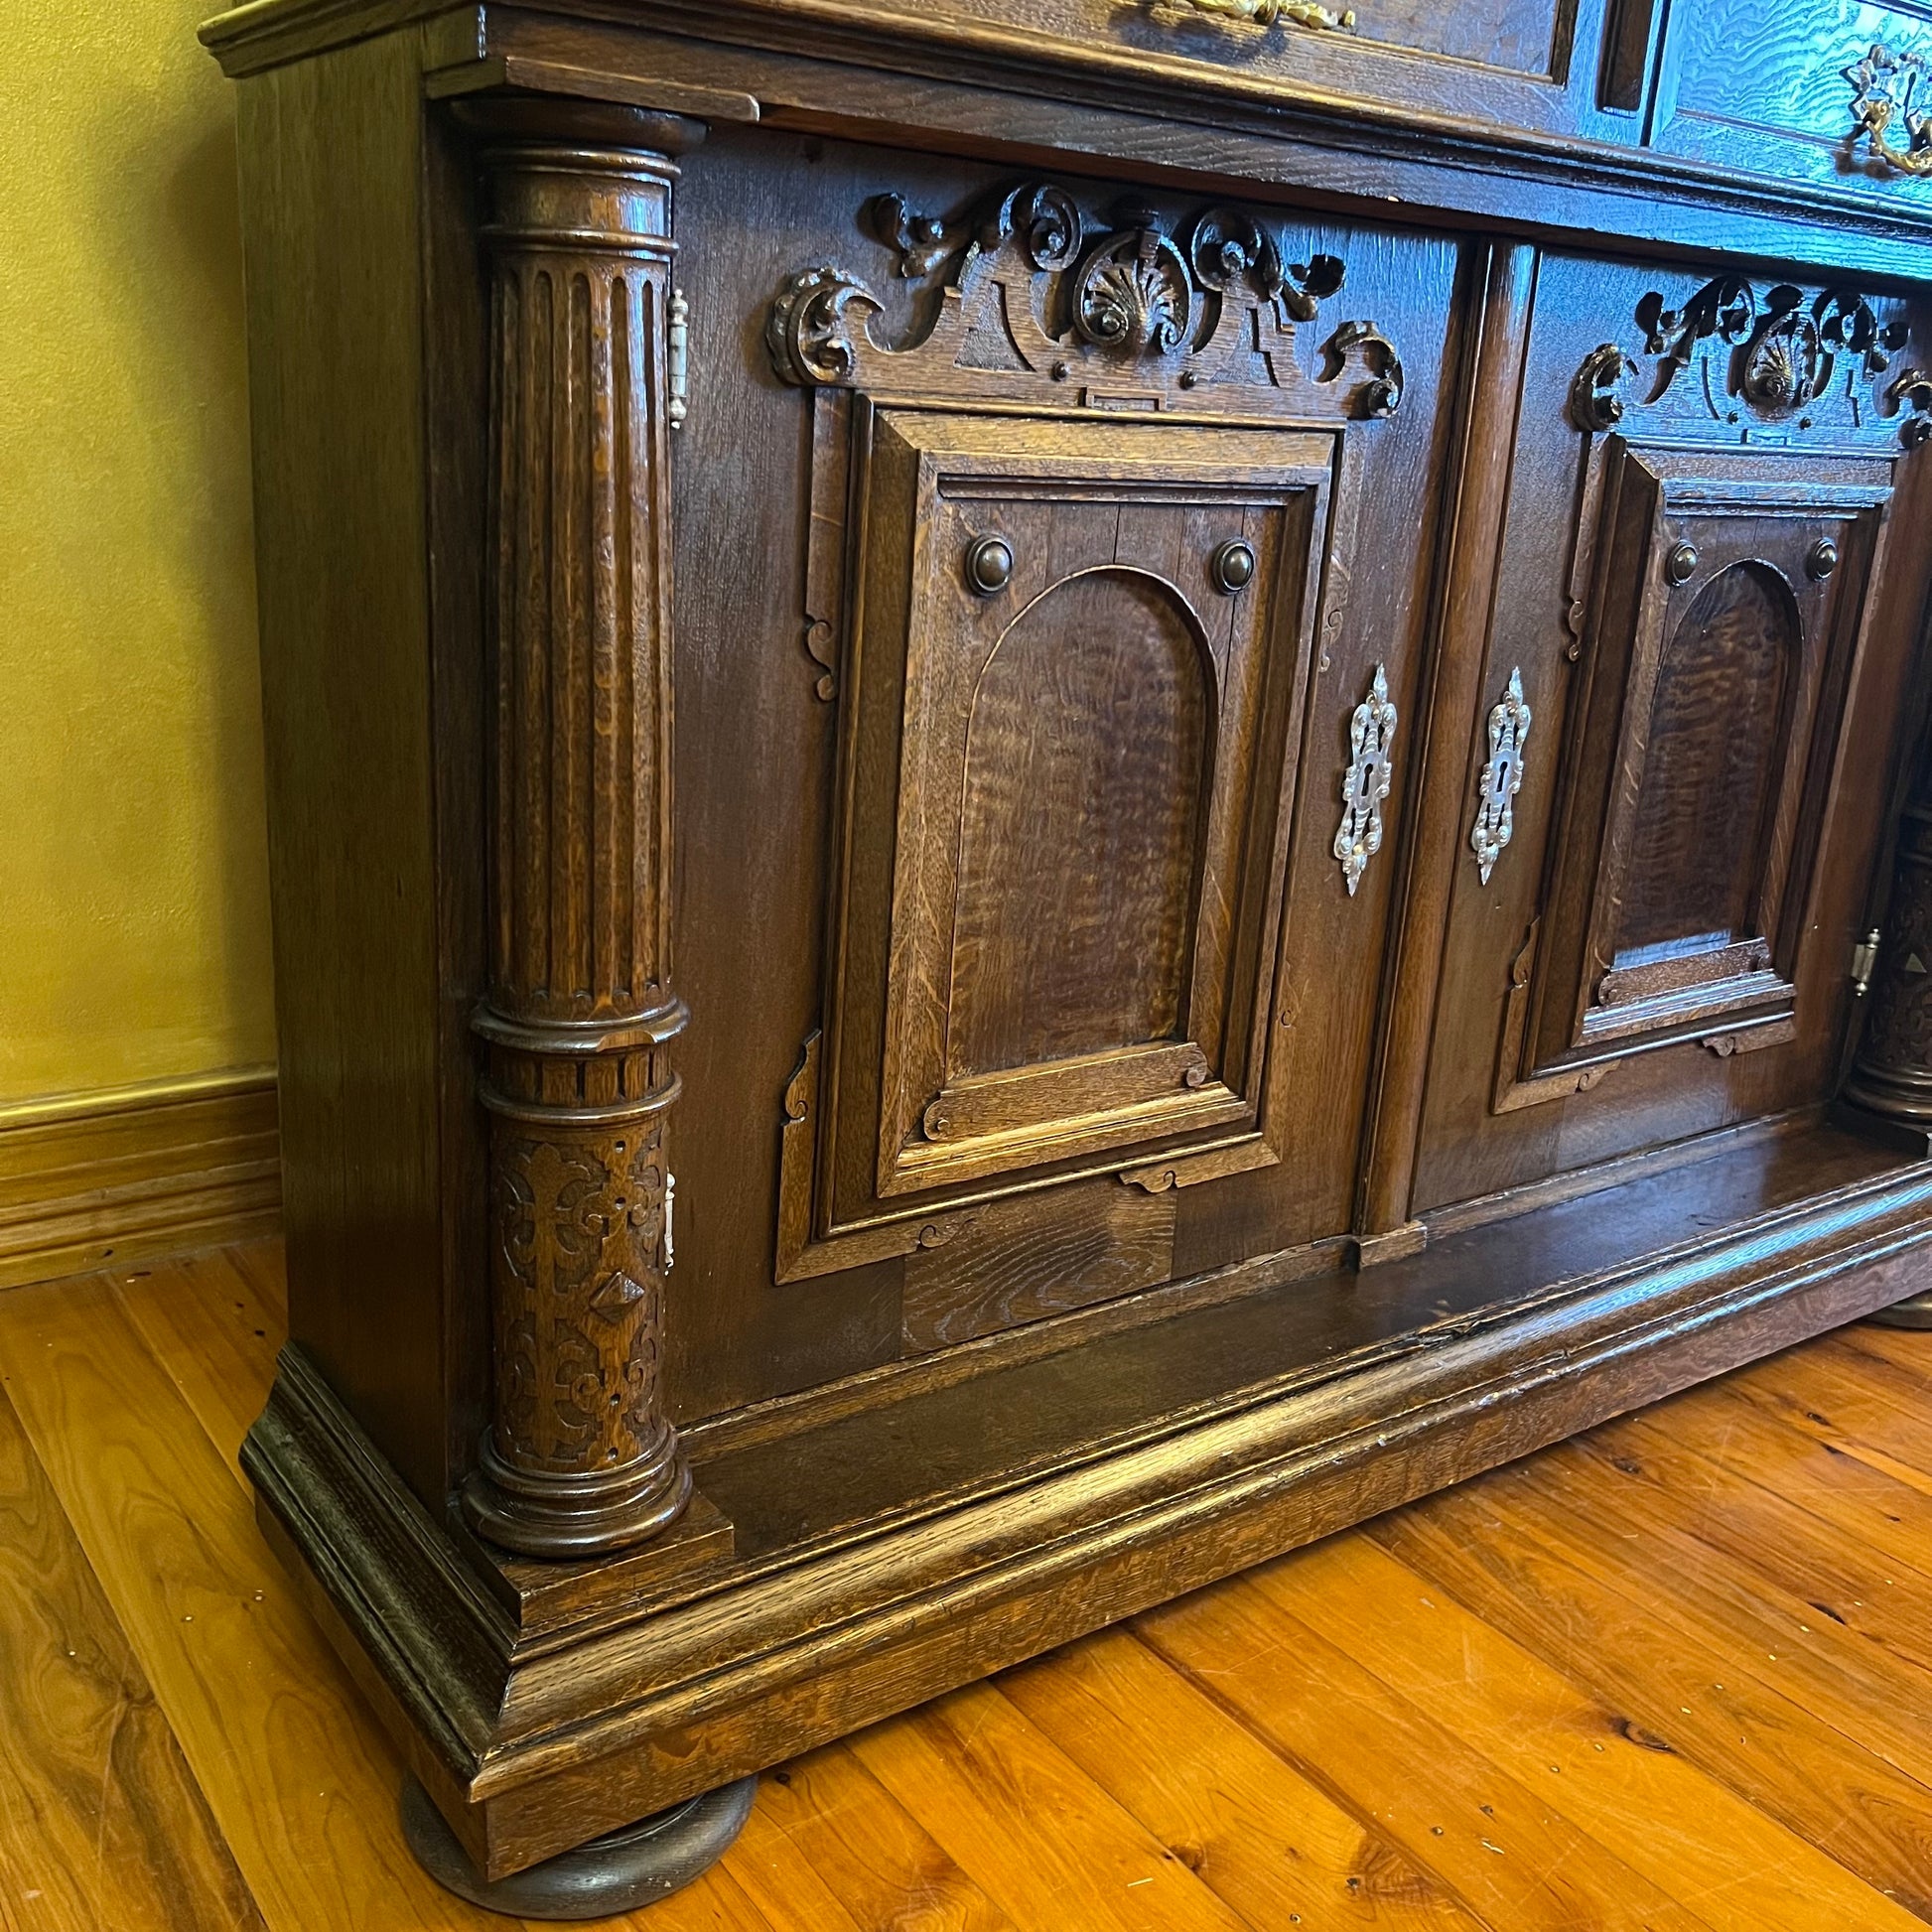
1678 771
1827 92
1513 63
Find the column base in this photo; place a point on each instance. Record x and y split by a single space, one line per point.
605 1878
564 1517
1876 1117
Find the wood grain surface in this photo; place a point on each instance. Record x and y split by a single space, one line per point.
1671 1674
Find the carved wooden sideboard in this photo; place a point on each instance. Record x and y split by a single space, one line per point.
1058 791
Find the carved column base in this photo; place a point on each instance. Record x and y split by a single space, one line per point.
611 1874
564 1516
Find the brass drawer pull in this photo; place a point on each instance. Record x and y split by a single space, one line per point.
1884 84
1265 13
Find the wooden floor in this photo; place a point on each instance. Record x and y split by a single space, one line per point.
1675 1674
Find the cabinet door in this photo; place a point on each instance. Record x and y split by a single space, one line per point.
1106 649
1082 656
1822 94
1677 773
1116 573
1723 628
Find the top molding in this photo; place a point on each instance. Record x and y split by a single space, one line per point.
868 72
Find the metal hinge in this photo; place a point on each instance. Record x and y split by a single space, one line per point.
678 357
1865 963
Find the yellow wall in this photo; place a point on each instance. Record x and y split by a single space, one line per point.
133 890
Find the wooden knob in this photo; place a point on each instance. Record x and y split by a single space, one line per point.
1233 567
988 565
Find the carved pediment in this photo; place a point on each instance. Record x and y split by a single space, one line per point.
1780 365
1038 293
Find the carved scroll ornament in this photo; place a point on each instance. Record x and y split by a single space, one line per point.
1788 359
1502 778
1036 292
1366 782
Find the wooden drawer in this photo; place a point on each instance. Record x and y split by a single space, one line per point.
1791 93
1513 63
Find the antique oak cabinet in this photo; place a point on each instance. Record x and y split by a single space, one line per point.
1060 787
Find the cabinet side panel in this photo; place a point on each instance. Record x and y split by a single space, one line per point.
330 190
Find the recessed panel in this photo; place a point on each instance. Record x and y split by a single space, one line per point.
1080 827
1699 847
1712 680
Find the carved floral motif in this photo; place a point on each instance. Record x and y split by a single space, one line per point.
1032 288
1786 357
579 1261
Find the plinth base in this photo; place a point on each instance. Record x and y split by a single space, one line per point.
608 1876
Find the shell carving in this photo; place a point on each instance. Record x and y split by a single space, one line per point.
1135 295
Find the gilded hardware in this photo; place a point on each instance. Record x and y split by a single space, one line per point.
1365 784
1883 86
1265 13
1865 963
1502 778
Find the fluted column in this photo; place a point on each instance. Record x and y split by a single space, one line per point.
577 1028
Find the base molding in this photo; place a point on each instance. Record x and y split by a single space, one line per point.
837 1606
128 1173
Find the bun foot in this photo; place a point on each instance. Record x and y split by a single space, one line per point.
608 1876
1915 1312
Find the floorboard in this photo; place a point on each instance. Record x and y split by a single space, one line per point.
1711 1697
1688 1834
101 1822
1674 1675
